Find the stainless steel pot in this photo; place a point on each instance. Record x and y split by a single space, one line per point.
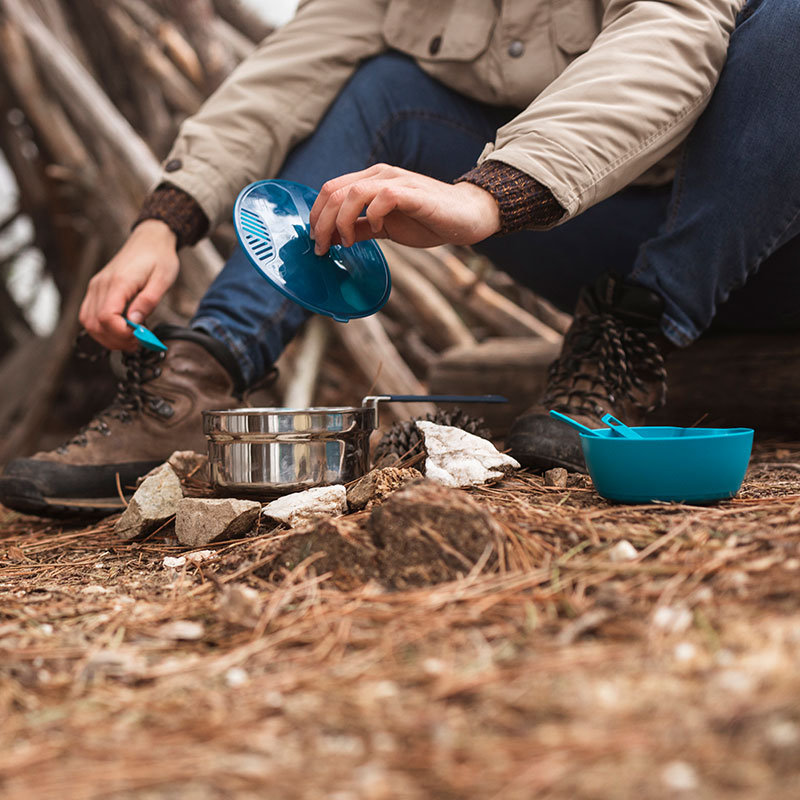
275 451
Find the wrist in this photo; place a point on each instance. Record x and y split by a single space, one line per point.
156 232
484 207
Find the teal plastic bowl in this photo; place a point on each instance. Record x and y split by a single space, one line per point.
683 465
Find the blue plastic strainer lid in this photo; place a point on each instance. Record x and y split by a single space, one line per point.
271 220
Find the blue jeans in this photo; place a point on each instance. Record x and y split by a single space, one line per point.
730 217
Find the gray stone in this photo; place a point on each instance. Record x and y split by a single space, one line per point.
199 520
556 477
185 464
153 503
188 464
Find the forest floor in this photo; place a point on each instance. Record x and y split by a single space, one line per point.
511 656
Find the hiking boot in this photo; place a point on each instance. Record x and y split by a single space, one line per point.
157 410
611 362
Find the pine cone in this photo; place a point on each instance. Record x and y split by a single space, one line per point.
403 439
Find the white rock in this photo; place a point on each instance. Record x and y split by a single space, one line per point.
236 676
623 550
685 652
735 681
153 503
240 605
94 589
174 563
783 733
321 501
457 458
680 776
199 521
200 556
182 629
672 619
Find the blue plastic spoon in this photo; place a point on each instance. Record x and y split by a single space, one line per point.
579 426
620 428
146 337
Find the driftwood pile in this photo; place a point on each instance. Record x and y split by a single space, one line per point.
91 97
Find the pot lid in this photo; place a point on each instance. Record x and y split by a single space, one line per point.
271 220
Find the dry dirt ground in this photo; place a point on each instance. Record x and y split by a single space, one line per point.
445 644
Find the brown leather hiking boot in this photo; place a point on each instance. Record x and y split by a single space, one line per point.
157 410
612 362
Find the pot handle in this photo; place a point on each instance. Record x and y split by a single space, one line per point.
373 400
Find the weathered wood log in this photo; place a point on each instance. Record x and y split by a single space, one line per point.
731 380
177 89
21 427
88 102
47 117
239 44
462 287
374 354
244 19
54 15
726 380
197 19
443 327
174 42
513 367
307 363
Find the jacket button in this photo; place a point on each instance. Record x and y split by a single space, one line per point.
435 45
174 165
516 48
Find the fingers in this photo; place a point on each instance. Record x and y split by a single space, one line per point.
341 212
136 278
106 323
146 301
335 184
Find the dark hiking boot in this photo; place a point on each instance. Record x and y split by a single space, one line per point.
612 361
157 410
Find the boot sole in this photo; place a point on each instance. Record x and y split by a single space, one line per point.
25 497
542 444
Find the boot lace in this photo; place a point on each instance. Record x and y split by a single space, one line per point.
604 363
141 367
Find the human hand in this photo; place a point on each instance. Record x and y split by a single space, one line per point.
404 206
136 278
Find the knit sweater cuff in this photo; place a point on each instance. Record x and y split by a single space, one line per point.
523 201
179 210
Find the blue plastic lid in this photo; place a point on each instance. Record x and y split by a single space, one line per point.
271 220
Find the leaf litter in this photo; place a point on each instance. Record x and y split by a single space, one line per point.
445 643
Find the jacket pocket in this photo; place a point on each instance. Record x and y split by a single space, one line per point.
576 24
445 30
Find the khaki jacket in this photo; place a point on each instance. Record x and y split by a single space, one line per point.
606 88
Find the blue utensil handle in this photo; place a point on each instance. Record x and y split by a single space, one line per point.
579 426
620 427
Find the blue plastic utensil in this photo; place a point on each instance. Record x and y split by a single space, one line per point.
620 427
579 426
271 221
146 337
